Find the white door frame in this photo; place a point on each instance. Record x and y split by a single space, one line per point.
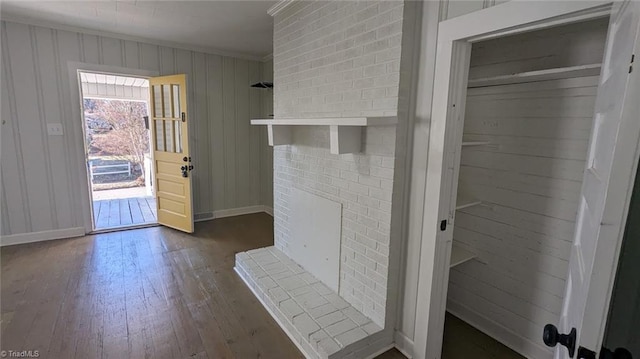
455 37
78 131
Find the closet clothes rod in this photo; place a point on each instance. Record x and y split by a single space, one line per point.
537 75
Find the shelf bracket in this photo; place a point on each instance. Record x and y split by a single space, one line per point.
279 135
345 139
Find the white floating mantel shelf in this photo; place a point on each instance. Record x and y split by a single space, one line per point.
345 133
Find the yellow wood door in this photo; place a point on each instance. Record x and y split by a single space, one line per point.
172 160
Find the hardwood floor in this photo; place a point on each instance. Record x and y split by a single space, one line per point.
462 341
158 293
146 293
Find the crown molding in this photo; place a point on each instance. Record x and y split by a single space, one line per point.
279 6
119 36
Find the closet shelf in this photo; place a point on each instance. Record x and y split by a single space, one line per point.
475 143
539 75
466 203
345 133
460 255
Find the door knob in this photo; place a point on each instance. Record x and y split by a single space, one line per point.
551 338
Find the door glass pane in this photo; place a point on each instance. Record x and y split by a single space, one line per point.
159 124
178 133
157 101
176 101
169 133
166 96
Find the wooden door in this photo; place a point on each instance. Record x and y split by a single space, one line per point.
606 187
172 160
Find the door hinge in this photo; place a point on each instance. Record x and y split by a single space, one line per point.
633 57
584 353
184 117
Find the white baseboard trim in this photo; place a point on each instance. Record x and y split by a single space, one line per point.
380 351
41 236
268 210
404 344
201 217
80 231
523 346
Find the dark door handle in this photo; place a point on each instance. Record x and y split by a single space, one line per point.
185 171
551 338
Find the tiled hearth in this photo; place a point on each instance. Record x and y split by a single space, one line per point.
317 319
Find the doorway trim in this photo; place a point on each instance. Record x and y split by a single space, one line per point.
455 38
78 131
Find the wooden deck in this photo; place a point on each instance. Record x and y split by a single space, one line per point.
124 212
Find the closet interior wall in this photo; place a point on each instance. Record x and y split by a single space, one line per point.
528 179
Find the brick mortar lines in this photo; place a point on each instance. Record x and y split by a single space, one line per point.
313 46
347 20
357 74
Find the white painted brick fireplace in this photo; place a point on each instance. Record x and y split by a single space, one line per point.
337 59
362 183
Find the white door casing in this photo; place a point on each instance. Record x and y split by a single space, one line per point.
454 39
606 185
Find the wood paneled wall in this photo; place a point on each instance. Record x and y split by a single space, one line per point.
39 181
529 181
528 178
577 44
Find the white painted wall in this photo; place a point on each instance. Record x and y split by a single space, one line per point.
529 180
340 59
39 181
455 8
419 92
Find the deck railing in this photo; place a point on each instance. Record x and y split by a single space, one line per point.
125 168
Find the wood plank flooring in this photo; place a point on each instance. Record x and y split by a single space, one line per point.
462 341
109 213
147 293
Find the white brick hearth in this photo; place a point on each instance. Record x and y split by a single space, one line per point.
317 319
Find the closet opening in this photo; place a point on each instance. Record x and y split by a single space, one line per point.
517 181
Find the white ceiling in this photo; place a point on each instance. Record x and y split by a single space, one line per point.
235 27
105 79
